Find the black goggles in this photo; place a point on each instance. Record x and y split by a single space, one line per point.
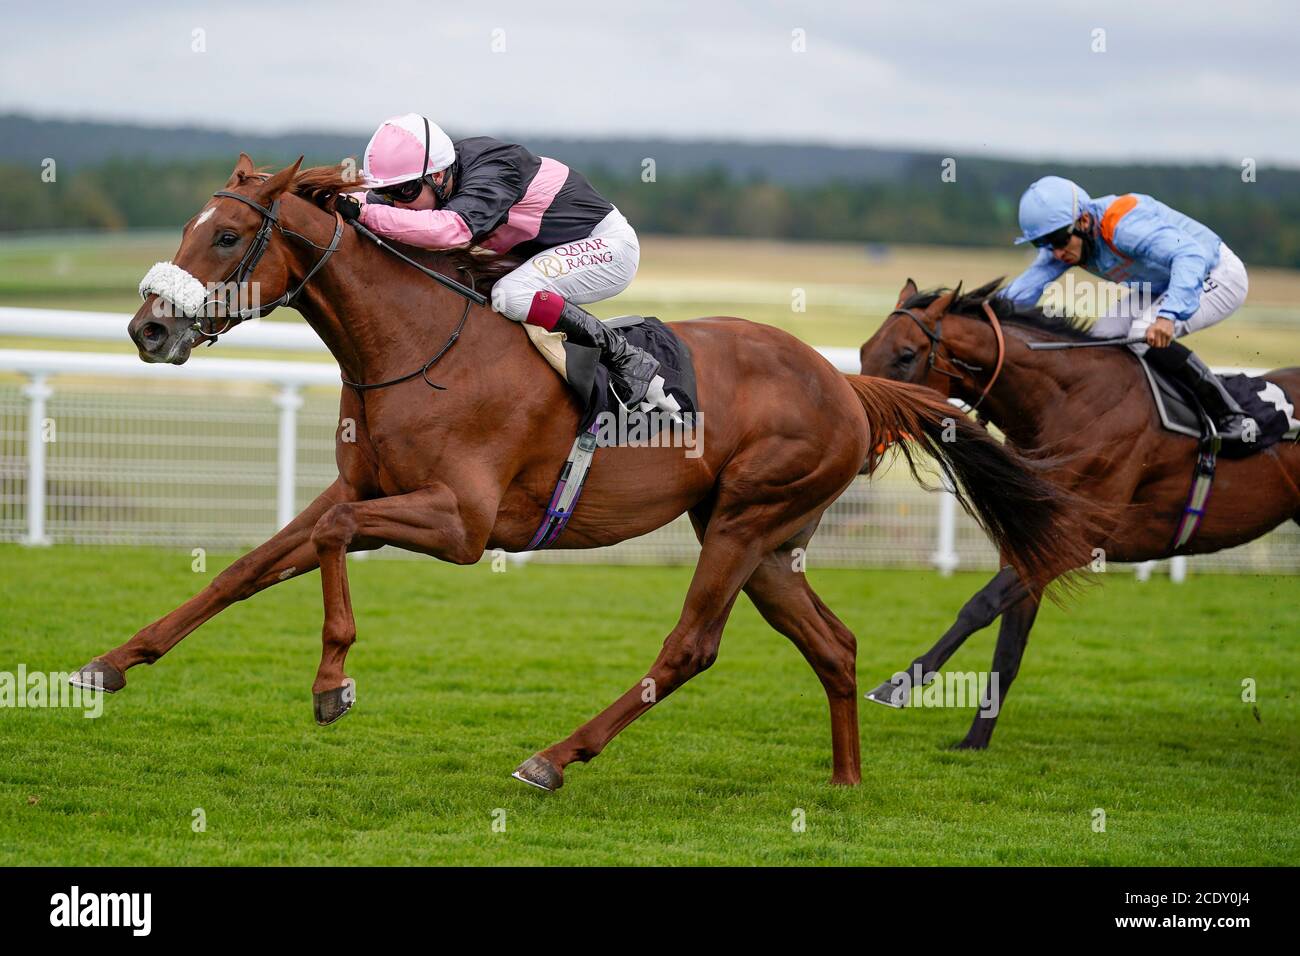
408 191
1057 240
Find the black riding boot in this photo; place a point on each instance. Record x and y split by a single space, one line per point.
1229 417
630 368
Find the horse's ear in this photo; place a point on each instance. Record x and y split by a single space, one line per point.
242 169
277 184
906 293
941 305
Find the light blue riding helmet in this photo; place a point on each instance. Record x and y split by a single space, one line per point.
1047 205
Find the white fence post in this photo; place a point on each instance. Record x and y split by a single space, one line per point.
289 401
1178 569
38 392
945 552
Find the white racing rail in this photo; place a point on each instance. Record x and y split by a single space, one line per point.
39 366
110 327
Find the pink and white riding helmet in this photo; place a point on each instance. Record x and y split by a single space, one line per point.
398 147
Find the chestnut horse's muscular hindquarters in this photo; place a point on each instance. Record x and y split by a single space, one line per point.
450 473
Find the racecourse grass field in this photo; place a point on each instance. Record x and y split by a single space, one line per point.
1130 702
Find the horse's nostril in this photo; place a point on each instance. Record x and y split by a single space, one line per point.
153 335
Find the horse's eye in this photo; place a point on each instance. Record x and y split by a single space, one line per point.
905 357
227 239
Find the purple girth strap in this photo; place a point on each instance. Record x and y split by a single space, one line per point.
557 515
1198 497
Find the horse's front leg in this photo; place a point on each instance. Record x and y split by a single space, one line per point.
429 521
1004 590
287 554
1013 636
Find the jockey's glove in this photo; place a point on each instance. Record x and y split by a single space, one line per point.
347 207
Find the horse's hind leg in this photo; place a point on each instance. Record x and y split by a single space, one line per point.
787 602
781 593
731 552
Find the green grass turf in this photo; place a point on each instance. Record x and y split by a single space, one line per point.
1130 701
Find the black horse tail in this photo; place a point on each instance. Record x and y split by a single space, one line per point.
1041 529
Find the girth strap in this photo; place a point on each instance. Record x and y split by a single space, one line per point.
1202 481
567 490
1197 497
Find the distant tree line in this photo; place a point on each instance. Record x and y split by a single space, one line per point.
1260 219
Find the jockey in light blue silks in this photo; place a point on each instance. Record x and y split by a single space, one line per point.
1191 279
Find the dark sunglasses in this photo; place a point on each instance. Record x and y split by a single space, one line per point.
1057 240
408 191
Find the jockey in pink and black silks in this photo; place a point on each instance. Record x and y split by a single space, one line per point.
430 192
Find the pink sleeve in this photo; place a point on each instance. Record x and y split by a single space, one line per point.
425 228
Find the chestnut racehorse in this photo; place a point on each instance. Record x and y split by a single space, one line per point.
1092 409
471 466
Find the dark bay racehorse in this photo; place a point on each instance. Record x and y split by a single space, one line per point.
453 472
1092 409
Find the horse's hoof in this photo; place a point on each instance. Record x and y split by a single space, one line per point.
99 675
845 780
539 772
968 744
333 704
891 694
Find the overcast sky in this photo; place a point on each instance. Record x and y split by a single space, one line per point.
1177 81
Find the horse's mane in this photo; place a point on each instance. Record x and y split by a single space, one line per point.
971 304
320 185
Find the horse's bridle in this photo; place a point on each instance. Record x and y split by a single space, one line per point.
253 255
257 248
935 336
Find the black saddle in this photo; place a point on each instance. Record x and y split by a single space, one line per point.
623 321
1181 413
590 379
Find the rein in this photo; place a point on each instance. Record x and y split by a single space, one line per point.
423 370
478 298
471 296
935 336
257 248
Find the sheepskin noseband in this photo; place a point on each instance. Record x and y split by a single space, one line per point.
170 282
